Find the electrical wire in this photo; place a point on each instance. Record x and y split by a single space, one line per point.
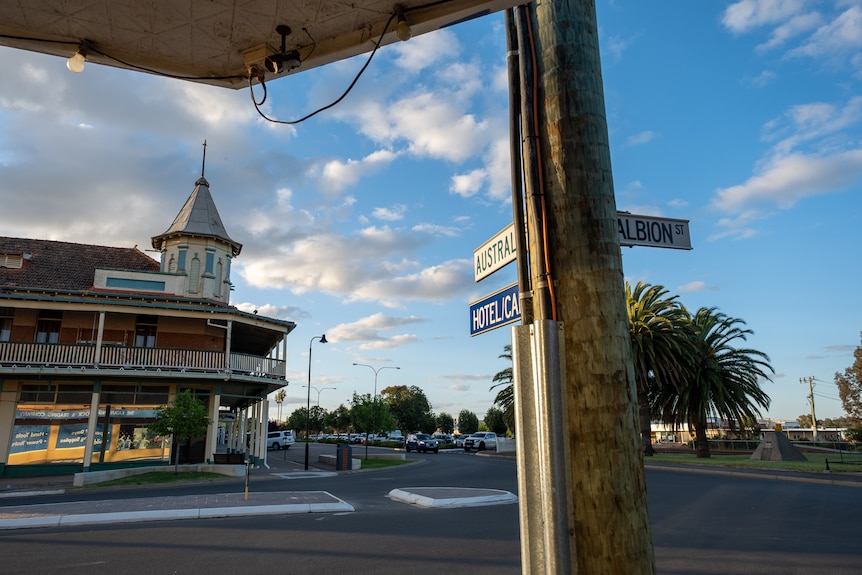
535 80
330 105
95 50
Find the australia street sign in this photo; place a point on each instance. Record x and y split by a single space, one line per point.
495 253
495 310
654 232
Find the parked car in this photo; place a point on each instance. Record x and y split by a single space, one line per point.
421 442
459 439
279 440
480 441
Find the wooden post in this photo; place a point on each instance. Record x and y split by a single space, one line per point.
608 502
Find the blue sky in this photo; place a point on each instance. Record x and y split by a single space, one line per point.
743 117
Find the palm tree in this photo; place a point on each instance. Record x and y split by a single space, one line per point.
724 382
661 346
506 396
279 398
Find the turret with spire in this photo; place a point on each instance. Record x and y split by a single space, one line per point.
197 245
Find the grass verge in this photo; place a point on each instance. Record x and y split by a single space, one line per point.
382 463
160 477
816 462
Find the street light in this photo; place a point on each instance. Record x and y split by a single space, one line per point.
318 392
322 339
374 418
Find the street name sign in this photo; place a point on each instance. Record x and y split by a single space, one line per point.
495 253
652 231
495 310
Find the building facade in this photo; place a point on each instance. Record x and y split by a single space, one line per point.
94 339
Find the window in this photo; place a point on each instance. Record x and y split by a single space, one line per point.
13 261
6 314
145 331
48 327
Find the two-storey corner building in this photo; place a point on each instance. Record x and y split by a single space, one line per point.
94 339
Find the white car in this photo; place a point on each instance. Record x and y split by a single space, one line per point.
279 439
480 441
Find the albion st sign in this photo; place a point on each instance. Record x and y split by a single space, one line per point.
495 310
654 232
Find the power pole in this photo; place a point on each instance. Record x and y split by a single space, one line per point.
580 466
811 401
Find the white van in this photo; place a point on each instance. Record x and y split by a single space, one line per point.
279 439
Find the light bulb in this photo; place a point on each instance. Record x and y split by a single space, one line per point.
76 63
402 30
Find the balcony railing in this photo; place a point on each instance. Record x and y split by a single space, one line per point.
147 358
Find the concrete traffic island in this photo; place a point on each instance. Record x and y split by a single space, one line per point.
452 496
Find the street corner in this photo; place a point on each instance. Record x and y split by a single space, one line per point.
446 497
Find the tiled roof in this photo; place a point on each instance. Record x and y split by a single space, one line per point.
198 217
64 265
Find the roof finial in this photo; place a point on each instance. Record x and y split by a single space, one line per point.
204 162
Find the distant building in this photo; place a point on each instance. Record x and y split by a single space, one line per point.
94 339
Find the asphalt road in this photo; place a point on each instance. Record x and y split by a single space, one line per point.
702 524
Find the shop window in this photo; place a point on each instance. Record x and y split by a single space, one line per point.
48 327
74 394
37 393
145 331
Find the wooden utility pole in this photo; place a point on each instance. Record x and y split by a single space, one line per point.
593 517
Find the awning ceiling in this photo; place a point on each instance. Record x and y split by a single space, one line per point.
216 41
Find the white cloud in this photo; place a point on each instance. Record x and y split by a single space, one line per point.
640 138
739 227
337 175
843 33
391 214
795 26
747 14
438 230
436 283
694 286
811 155
469 184
788 179
426 50
369 331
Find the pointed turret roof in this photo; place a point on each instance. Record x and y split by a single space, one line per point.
198 217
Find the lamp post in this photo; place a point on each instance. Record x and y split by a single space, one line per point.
318 392
322 339
374 418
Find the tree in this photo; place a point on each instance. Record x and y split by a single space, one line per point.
804 420
339 419
410 408
185 418
297 419
467 422
660 347
370 415
505 398
445 423
279 399
495 421
723 382
850 387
